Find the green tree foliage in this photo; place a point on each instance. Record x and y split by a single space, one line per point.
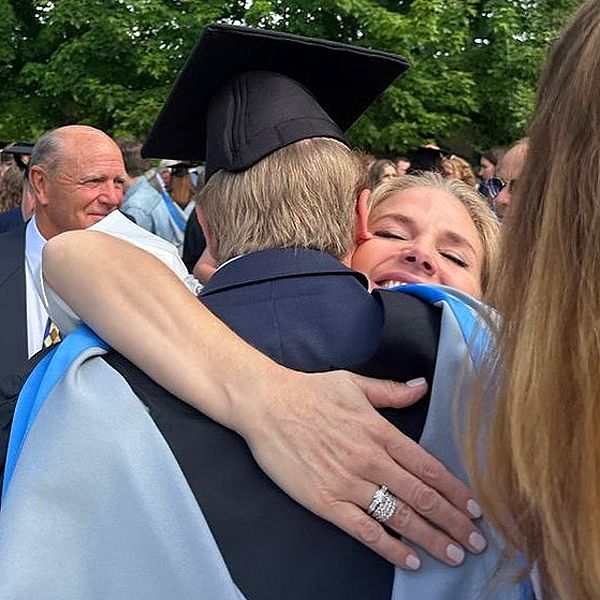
511 38
110 63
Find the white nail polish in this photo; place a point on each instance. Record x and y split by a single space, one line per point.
455 554
416 382
474 509
412 562
477 542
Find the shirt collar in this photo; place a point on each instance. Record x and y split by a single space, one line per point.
34 244
276 263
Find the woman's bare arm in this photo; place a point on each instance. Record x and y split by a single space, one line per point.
328 452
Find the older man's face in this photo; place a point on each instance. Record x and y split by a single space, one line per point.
509 170
86 186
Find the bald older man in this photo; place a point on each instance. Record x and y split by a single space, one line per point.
76 174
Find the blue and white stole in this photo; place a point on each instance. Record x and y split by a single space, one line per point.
96 506
177 217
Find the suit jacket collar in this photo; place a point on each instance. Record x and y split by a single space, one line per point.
277 264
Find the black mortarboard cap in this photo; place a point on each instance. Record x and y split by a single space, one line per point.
181 168
18 150
245 93
426 158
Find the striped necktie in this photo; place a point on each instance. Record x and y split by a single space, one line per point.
51 334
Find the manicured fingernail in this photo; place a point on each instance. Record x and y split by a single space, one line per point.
474 509
477 542
416 382
455 554
412 562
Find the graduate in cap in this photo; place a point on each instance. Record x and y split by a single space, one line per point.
15 217
426 158
20 151
167 502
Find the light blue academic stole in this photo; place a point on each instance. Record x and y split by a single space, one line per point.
95 505
464 342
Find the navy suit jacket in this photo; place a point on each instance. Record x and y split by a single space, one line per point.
11 219
303 308
13 303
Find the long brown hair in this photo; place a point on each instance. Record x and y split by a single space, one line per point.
11 188
541 478
181 188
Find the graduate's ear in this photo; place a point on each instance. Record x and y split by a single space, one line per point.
362 217
205 228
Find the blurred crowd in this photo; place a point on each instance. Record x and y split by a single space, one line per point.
160 197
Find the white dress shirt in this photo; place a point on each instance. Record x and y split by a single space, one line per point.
119 226
37 316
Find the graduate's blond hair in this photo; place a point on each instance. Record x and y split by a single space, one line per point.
301 196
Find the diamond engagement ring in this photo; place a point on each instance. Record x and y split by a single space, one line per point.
383 506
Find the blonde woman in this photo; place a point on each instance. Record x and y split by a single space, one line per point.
428 229
541 481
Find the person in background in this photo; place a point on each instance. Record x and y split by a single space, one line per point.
381 170
6 161
509 170
181 187
141 201
11 189
458 168
76 175
194 242
402 165
488 163
426 158
160 177
173 182
23 208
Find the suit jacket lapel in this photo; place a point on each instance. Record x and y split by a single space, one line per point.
13 302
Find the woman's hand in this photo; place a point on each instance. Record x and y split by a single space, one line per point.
318 437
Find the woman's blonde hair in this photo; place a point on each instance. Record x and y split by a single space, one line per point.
540 482
301 196
482 216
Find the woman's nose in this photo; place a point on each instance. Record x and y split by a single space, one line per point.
420 258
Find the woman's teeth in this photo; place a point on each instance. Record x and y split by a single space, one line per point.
390 283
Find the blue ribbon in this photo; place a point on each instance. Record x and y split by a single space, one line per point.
173 211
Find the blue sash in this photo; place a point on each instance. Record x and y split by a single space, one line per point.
174 212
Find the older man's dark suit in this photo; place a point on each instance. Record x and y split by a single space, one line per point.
309 312
13 306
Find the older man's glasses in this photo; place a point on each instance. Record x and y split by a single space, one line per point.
495 185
